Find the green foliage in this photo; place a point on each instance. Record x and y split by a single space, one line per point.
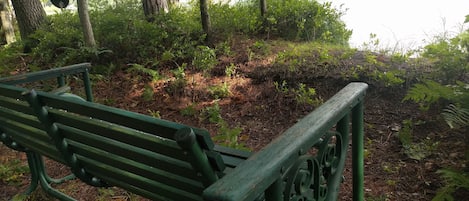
307 20
204 58
155 114
212 113
177 86
12 172
416 151
230 137
429 92
190 110
456 116
220 91
389 78
137 69
148 93
230 70
241 17
454 180
281 87
306 95
449 56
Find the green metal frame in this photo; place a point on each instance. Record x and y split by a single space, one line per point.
35 161
56 73
307 161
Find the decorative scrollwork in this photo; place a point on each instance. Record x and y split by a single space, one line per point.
309 177
302 179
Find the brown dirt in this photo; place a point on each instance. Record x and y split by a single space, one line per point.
255 106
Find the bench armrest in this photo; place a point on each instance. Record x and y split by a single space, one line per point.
58 73
255 175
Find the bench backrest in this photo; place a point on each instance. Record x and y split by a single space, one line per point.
103 145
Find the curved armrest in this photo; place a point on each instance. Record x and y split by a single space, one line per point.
252 177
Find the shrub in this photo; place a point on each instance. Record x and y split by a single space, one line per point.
307 20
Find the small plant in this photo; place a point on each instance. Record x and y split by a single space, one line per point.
177 85
13 171
204 58
105 194
220 91
229 137
190 110
230 70
261 48
417 151
390 78
155 114
281 87
212 113
139 69
306 95
148 93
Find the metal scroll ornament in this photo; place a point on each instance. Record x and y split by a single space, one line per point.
307 179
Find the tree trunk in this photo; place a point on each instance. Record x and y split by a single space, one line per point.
30 15
263 4
85 23
154 7
205 17
7 26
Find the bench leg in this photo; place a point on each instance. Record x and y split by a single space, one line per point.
40 177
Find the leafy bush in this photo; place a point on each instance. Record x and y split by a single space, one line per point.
204 58
241 17
307 20
449 56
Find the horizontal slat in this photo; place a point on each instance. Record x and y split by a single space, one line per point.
176 181
232 157
20 118
126 178
13 104
31 142
11 91
132 120
130 152
122 134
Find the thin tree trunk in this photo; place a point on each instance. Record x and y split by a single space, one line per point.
263 4
85 23
7 26
205 17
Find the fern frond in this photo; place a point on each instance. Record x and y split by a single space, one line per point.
454 180
456 116
429 92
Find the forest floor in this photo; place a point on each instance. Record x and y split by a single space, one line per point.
256 106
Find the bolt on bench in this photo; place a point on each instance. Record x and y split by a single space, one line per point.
162 160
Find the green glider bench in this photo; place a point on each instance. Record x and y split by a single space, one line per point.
162 160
